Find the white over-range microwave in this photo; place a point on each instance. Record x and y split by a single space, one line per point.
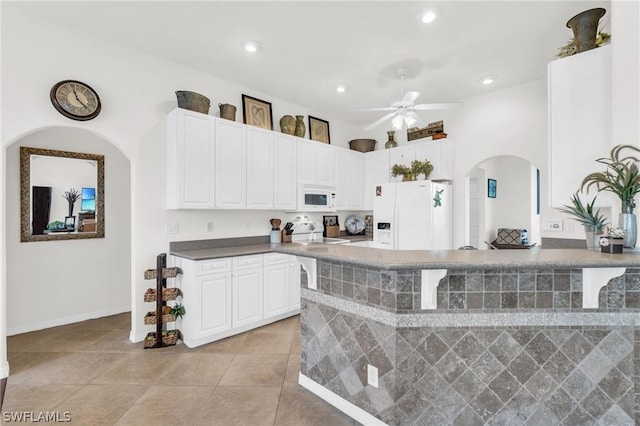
316 198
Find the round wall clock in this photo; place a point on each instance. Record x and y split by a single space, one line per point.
75 100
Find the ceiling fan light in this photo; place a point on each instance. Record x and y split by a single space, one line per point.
396 123
410 121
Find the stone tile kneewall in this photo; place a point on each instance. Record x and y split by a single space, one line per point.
473 375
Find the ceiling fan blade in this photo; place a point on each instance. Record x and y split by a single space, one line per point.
419 121
409 98
376 109
380 121
446 105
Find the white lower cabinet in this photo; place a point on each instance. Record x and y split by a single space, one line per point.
227 296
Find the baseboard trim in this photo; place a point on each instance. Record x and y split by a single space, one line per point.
67 320
351 410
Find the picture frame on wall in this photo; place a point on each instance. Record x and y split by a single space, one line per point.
492 187
319 130
256 112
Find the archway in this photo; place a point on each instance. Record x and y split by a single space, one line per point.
515 203
52 283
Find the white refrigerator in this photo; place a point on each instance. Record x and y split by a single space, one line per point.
414 215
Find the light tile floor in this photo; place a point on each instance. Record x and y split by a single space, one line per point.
92 370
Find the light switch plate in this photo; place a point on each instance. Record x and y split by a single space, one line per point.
172 228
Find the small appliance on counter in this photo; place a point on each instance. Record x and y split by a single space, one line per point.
355 225
274 236
331 226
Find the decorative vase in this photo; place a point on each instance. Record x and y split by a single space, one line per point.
71 209
628 222
585 28
301 129
593 235
287 124
391 143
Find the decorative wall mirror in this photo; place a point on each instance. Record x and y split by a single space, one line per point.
61 195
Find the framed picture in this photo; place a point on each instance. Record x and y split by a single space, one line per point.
256 112
491 188
319 130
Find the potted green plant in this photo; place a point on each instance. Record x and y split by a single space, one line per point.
622 178
71 196
423 168
178 310
402 170
593 221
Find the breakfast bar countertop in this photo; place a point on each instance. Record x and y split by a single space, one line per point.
463 259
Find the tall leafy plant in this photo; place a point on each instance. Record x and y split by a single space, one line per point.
621 177
585 214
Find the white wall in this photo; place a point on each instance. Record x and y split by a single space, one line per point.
56 282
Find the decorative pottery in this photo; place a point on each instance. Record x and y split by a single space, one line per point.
193 101
391 143
227 111
287 124
585 28
362 145
629 223
301 129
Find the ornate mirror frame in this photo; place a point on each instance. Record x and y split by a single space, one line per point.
25 195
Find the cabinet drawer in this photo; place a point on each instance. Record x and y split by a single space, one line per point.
244 262
275 258
213 266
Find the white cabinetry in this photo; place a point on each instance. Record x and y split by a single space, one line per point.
441 153
579 119
349 179
260 168
276 284
316 162
376 172
285 172
231 165
190 159
247 290
227 296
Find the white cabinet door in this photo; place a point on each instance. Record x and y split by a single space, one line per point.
214 300
247 296
294 283
306 161
190 159
285 172
231 166
579 119
441 154
376 172
402 155
260 168
355 179
276 289
325 163
342 181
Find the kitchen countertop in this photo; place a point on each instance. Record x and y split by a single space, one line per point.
463 259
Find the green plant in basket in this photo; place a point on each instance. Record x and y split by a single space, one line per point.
178 310
405 171
422 168
585 214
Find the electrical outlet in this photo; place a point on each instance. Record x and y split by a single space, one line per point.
209 226
554 225
372 375
172 228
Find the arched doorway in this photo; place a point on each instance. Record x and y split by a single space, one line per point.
52 283
515 203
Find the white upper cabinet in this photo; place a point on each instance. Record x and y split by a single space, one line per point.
285 172
579 119
260 168
376 172
316 162
231 165
440 152
349 179
190 159
403 155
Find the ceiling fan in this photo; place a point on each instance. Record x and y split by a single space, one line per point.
403 111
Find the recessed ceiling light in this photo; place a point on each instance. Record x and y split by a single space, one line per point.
428 16
342 88
251 46
488 80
